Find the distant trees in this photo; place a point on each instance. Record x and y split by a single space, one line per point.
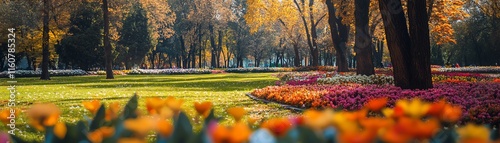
135 38
82 46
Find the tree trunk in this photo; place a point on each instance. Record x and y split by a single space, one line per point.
410 57
45 41
214 47
296 60
363 45
420 50
339 37
107 46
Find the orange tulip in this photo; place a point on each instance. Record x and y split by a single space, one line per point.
60 130
112 111
236 112
364 136
220 134
436 108
278 126
174 104
203 108
165 128
451 113
6 114
153 105
43 115
240 133
376 104
93 106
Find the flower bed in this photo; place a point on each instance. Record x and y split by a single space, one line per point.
479 101
359 79
471 69
32 73
170 71
170 124
115 72
257 70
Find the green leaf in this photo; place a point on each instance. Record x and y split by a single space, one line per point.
98 119
183 129
49 135
308 135
72 134
130 108
210 117
82 131
16 139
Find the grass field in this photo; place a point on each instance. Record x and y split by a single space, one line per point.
223 90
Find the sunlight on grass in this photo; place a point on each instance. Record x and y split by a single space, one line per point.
224 90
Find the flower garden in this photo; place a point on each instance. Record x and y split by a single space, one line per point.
194 105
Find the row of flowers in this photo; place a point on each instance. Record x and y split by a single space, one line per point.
479 101
471 69
33 73
374 122
170 71
257 70
307 78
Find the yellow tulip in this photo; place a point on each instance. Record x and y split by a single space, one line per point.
252 120
474 132
388 112
174 104
415 108
60 130
93 106
203 108
236 112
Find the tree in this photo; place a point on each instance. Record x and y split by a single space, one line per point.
363 45
310 13
45 41
409 47
339 31
82 45
135 37
107 45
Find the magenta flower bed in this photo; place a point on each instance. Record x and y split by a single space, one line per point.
479 101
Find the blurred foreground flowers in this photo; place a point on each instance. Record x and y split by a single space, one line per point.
408 121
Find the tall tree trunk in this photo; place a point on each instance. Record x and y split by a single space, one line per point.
214 47
420 50
296 60
45 41
398 40
107 46
363 45
410 56
340 34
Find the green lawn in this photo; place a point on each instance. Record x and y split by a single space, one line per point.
224 90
